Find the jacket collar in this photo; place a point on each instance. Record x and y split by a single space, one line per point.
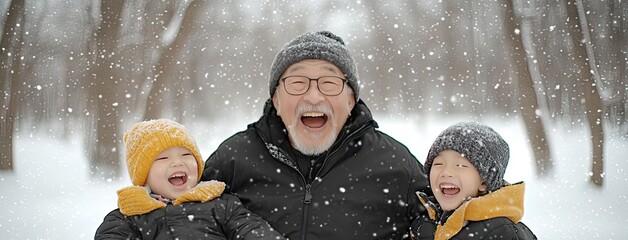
136 200
504 202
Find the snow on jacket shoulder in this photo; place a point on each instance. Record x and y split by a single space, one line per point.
220 218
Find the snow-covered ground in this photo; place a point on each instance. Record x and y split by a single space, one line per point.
50 195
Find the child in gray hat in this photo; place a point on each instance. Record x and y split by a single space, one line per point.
466 166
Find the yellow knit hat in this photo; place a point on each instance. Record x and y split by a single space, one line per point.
146 140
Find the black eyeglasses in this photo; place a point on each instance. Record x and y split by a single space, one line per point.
327 85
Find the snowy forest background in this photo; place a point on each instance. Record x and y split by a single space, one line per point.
550 75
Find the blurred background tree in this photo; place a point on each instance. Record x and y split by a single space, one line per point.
95 67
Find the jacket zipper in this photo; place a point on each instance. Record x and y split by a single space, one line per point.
306 207
307 199
308 184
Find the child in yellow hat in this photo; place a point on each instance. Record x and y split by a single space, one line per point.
166 200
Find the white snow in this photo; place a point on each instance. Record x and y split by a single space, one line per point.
49 195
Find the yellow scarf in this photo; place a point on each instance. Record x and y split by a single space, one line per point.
504 202
135 200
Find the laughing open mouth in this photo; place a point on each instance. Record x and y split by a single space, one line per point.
178 178
314 119
449 189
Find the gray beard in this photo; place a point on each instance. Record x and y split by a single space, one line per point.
324 143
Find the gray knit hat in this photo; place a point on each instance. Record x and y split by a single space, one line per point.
321 45
484 148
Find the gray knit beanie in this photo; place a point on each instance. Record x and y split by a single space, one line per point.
484 148
321 45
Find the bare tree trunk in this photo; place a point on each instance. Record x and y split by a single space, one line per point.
388 97
167 61
588 81
158 16
10 65
461 66
103 154
619 54
529 104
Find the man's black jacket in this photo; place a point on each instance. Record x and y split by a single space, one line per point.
363 187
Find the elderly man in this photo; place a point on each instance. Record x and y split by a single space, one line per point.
314 165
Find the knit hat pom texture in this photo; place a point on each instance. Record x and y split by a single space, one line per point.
484 148
146 140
